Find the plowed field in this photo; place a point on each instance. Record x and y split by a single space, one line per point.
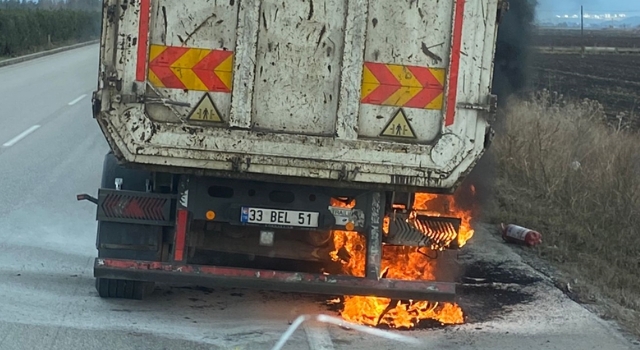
613 79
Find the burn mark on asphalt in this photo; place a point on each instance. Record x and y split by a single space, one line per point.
481 272
488 290
482 304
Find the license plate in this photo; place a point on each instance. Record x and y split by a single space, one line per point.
279 217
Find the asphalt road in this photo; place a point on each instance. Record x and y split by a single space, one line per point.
51 149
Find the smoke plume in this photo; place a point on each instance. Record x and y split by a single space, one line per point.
510 77
512 49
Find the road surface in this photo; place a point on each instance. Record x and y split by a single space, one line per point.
51 149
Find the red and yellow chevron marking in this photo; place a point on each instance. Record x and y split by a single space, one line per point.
403 86
190 69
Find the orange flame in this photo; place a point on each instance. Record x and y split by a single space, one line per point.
404 263
439 205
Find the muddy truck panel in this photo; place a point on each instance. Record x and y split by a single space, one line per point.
376 94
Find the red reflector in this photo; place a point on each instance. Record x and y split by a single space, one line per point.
133 209
182 219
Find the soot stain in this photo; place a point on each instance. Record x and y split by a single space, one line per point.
483 272
481 303
488 290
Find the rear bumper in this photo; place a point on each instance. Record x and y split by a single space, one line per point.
272 280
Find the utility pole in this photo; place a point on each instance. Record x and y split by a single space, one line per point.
582 21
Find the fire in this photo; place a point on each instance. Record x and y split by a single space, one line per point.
405 263
439 205
375 311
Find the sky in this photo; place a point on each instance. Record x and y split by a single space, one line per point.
600 6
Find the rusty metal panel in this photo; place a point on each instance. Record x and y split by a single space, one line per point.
352 69
275 280
373 261
300 47
473 91
406 38
126 19
190 34
244 77
476 65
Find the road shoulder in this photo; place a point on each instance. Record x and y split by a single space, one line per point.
16 60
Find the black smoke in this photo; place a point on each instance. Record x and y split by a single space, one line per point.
513 49
511 76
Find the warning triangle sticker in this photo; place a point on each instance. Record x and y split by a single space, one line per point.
399 127
205 111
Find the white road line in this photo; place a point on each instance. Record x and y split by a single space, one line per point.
318 337
77 100
24 134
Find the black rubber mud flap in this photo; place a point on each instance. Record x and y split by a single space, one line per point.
123 240
123 289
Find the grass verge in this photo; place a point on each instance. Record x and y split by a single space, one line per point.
563 172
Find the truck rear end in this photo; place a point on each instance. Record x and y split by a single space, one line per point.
245 134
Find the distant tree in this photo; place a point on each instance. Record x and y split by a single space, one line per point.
46 4
27 26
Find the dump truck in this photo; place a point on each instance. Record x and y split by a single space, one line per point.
244 133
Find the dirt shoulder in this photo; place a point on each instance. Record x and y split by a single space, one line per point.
575 287
508 288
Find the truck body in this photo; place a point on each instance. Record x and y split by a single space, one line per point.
243 133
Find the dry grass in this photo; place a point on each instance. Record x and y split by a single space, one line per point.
565 173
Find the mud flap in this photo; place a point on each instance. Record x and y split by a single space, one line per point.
126 240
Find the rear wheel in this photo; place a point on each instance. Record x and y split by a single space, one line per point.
123 289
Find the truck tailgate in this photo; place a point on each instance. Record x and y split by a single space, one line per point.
378 92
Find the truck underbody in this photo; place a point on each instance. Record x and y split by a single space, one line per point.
156 227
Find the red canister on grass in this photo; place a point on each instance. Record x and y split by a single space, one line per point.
521 235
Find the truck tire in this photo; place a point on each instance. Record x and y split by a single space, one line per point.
123 289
